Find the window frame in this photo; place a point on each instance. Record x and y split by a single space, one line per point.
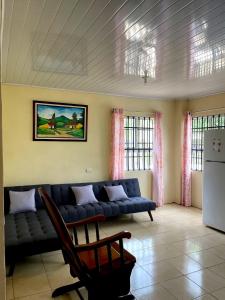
207 122
138 142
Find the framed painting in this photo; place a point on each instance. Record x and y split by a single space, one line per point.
54 121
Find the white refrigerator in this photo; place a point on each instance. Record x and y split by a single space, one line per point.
214 179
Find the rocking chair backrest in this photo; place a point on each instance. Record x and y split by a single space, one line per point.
104 266
68 248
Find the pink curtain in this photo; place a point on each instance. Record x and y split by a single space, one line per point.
117 152
186 161
158 188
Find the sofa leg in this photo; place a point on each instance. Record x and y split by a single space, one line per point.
11 269
150 215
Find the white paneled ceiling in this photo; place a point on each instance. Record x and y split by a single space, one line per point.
152 48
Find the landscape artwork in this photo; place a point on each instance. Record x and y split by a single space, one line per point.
59 121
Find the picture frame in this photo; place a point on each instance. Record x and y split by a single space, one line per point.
56 121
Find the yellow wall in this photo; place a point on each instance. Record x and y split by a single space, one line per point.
28 162
2 240
204 106
180 108
2 235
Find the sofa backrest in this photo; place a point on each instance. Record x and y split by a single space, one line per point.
62 194
38 200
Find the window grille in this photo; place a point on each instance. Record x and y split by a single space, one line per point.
205 58
140 53
199 125
138 134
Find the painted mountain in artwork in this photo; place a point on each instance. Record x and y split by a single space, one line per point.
51 122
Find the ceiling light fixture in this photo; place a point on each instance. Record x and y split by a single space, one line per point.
145 77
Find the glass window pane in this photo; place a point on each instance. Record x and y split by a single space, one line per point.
199 125
138 137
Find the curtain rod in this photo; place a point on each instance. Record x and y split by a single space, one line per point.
211 109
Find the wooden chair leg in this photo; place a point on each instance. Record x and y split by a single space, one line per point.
127 297
150 215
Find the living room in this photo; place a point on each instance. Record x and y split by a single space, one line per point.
42 62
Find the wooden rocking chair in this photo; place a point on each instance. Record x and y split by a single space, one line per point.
103 267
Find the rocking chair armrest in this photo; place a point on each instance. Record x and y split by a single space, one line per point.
95 219
104 242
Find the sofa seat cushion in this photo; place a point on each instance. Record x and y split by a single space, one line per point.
72 213
78 212
29 233
135 204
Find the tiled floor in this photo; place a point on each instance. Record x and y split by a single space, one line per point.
177 258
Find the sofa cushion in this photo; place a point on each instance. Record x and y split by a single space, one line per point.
22 201
84 194
29 233
131 187
38 201
115 192
62 194
135 204
78 212
109 209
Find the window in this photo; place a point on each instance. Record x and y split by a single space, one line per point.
205 58
138 132
199 125
140 53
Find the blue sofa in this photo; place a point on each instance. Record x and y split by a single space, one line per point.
29 233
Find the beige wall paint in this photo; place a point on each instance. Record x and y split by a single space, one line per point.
2 240
196 182
214 102
204 106
180 108
28 162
